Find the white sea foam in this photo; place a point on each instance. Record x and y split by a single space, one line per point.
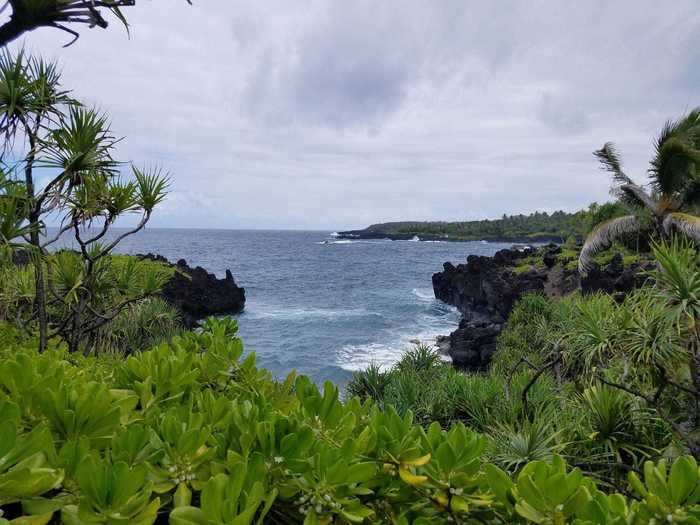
424 294
386 354
345 241
300 313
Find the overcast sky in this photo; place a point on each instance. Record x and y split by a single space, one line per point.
337 114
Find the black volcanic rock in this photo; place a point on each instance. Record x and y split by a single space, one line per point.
197 293
194 292
616 279
485 289
473 343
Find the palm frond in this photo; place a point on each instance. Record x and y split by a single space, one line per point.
635 197
687 126
602 237
688 225
674 163
677 153
610 160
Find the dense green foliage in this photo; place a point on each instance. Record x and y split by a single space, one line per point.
191 433
121 279
559 225
43 127
606 385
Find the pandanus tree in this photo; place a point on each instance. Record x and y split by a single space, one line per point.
667 204
46 131
27 15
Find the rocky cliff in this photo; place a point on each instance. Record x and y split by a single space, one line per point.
485 289
197 293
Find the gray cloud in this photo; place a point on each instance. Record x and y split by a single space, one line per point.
561 115
336 114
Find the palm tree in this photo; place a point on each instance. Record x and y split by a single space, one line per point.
672 197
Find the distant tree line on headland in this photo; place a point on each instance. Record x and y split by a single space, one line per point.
559 224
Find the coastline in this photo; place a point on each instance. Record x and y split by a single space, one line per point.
485 290
376 235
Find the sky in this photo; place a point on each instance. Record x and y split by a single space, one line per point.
337 114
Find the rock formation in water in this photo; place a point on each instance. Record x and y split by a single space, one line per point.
485 289
197 293
194 292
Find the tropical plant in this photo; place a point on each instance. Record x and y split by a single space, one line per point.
615 423
657 346
140 326
112 493
418 359
369 383
85 192
668 494
28 15
516 444
594 332
158 436
674 190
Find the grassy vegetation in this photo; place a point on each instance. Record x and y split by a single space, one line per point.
569 256
526 264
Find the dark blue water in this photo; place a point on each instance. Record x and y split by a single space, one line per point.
322 309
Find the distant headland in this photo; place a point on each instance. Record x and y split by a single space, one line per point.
533 228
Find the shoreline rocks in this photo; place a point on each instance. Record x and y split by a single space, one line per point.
485 289
197 293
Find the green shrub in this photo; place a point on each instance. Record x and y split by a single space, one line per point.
140 326
192 432
370 383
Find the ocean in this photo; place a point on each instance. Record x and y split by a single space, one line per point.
318 305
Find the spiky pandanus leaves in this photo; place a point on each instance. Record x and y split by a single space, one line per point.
28 15
603 236
152 187
678 280
83 142
14 210
30 95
